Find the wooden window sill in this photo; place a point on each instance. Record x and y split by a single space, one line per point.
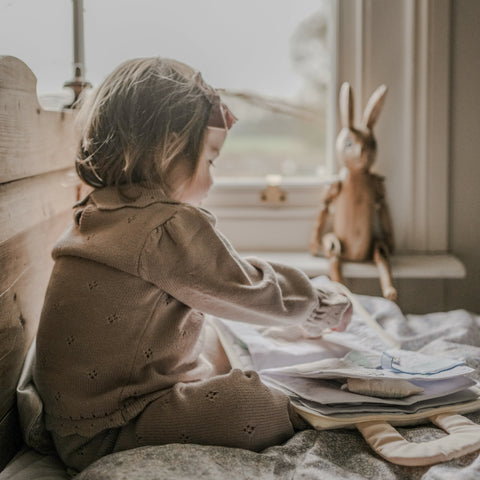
440 266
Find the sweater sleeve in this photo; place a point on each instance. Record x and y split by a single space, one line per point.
190 260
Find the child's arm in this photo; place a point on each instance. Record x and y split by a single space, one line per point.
189 259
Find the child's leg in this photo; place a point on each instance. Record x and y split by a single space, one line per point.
233 410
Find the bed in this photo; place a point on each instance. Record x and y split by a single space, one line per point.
36 192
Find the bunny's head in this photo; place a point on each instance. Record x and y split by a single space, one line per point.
356 147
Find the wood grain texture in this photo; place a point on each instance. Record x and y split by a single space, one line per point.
37 191
23 285
26 265
20 252
28 202
32 140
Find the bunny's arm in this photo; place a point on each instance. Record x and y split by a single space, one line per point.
328 198
383 213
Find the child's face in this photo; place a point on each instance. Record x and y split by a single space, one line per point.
220 121
198 187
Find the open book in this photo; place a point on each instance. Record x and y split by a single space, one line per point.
317 373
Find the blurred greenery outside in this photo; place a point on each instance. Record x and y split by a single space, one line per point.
265 142
273 144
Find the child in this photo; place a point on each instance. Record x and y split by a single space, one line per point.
125 356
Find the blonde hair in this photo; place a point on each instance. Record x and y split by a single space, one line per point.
147 114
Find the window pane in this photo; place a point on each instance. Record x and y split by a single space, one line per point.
283 111
273 49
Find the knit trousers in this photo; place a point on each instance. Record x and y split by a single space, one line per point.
233 410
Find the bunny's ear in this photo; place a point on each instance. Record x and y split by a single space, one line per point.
346 105
374 106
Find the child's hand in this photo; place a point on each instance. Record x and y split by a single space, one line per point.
345 319
334 312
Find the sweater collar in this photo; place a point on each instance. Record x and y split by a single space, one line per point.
137 196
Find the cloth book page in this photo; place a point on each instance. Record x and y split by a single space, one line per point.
312 371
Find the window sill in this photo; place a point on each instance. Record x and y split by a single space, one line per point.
441 266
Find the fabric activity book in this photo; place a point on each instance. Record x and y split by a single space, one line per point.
362 378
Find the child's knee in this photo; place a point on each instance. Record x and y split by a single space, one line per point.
246 377
261 416
249 382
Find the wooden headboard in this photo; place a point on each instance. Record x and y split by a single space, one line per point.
37 190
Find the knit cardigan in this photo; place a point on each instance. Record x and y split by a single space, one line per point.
123 317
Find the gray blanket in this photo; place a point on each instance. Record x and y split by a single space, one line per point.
309 455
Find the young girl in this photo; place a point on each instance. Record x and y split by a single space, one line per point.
125 356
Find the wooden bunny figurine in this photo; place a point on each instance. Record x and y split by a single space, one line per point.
362 228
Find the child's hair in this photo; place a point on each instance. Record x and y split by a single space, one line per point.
148 113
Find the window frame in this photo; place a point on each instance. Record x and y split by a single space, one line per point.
412 131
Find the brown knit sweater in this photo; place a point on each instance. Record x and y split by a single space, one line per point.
123 318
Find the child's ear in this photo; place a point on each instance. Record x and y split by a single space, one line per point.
374 106
346 105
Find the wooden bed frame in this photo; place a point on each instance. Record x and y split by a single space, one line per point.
37 190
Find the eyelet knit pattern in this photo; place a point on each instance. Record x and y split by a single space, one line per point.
234 410
123 324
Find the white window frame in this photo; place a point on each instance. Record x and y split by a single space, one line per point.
406 46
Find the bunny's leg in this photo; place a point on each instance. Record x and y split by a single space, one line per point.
314 246
333 249
380 256
328 198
